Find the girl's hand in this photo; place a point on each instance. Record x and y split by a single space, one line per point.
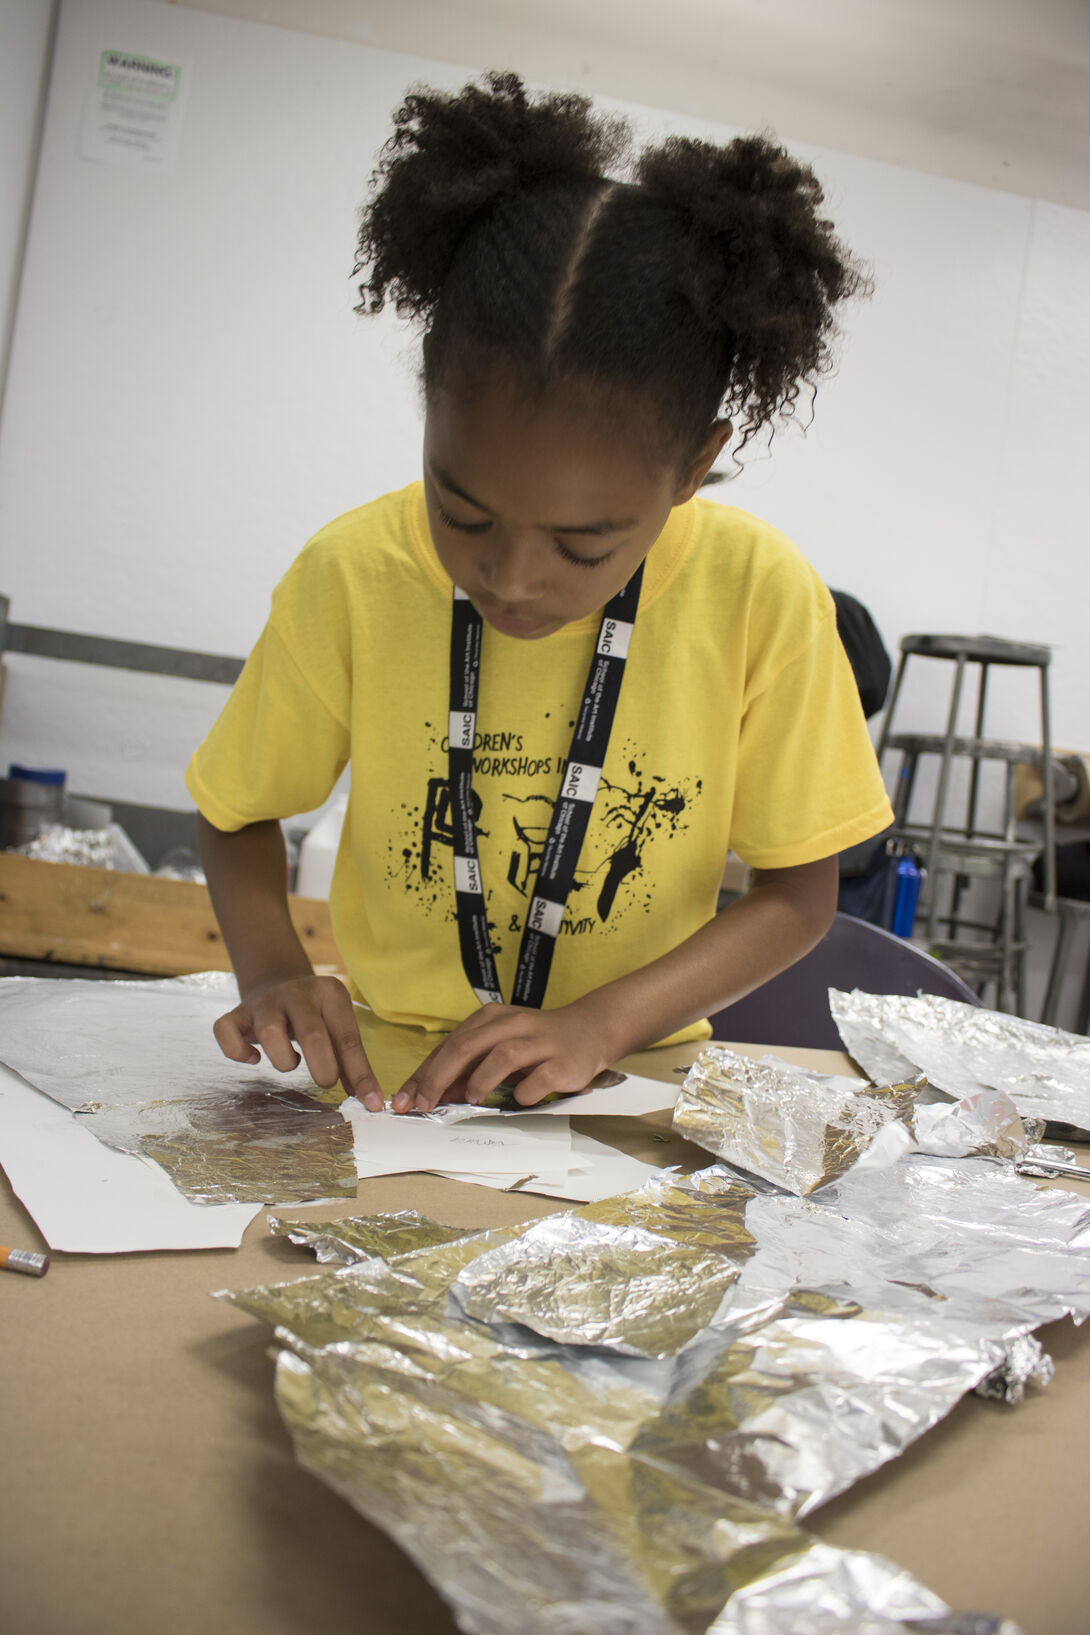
551 1052
317 1013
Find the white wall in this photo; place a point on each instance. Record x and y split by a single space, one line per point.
995 92
191 396
25 33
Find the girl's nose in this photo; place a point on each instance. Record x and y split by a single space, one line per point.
512 570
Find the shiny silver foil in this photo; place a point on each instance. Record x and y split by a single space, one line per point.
825 1591
137 1062
986 1125
1026 1363
964 1049
570 1431
791 1126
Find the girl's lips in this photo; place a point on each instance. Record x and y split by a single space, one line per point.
508 625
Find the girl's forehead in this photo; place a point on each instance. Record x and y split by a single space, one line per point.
580 440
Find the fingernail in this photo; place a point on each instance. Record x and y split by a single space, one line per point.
373 1102
422 1104
474 1097
401 1102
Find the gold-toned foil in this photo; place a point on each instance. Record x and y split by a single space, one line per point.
788 1125
560 1465
617 1286
261 1144
368 1237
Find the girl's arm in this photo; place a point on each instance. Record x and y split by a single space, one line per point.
281 998
780 918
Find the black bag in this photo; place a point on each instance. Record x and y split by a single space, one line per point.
1072 871
867 655
869 891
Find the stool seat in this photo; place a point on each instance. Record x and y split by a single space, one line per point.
978 649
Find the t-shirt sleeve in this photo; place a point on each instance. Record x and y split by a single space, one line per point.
808 783
282 739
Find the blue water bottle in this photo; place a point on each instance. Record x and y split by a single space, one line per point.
908 893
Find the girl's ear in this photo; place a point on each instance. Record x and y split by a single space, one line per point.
696 469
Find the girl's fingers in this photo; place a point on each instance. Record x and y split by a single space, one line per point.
506 1060
309 1031
353 1068
274 1038
547 1080
449 1063
538 1069
323 1024
232 1034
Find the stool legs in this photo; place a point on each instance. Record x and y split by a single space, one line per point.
940 801
887 719
967 848
1047 796
1060 956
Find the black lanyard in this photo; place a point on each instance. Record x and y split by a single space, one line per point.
571 814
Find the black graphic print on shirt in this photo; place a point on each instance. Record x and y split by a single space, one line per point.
636 811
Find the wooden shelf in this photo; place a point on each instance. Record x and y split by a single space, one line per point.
128 922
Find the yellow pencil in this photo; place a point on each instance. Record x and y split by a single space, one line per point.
24 1260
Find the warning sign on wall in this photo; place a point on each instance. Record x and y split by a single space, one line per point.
134 113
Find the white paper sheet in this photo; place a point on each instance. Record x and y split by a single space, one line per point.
500 1144
597 1171
634 1097
88 1199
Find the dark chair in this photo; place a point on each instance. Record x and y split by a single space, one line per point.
793 1009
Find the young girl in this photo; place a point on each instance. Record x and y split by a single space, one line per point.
565 684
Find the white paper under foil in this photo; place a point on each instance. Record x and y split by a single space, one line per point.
138 1065
964 1049
636 1466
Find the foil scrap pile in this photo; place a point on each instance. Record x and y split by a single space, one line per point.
615 1418
799 1130
791 1126
138 1063
965 1050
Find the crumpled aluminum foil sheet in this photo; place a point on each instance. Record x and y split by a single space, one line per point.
791 1126
964 1049
57 843
1026 1363
630 1475
624 1288
368 1237
138 1063
986 1125
845 1592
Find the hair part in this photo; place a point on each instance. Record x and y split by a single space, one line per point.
702 281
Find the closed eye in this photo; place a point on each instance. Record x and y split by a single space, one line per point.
582 561
463 527
482 527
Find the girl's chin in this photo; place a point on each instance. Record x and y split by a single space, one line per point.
526 629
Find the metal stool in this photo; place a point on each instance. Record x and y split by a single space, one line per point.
965 850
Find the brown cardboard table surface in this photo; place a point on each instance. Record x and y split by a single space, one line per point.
147 1484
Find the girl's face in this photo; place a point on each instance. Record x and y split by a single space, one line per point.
541 511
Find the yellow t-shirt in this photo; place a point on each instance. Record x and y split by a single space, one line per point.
739 726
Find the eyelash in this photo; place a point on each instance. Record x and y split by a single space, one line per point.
480 527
